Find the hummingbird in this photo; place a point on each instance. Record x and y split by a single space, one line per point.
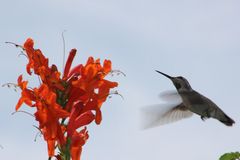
190 102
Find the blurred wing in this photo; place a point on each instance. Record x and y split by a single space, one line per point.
171 96
157 115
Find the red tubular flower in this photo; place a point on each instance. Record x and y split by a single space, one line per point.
78 118
69 63
36 58
39 64
64 105
27 95
78 140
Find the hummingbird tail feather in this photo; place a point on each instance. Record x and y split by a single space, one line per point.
227 120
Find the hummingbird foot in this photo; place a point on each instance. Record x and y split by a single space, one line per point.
204 118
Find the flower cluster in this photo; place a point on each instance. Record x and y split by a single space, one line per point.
65 104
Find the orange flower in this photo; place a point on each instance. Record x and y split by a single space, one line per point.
65 104
91 86
78 140
39 64
36 58
78 118
48 114
27 95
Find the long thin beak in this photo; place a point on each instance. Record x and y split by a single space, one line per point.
164 74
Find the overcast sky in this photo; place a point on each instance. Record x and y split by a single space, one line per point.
198 39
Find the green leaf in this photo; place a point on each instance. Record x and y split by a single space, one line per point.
230 156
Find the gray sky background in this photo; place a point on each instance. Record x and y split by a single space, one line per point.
198 39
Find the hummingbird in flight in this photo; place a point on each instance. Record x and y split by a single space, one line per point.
190 102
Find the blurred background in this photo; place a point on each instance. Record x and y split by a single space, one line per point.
197 39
